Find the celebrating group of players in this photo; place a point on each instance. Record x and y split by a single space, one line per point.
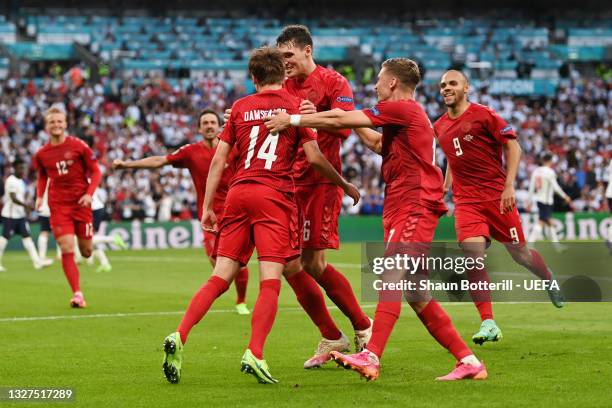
271 180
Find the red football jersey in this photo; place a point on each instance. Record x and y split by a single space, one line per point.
473 147
327 90
408 147
68 166
264 157
196 157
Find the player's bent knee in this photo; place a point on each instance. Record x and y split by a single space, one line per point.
292 267
522 257
314 264
86 252
418 306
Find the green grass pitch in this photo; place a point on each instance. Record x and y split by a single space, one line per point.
111 353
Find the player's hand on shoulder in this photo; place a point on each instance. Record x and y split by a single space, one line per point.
508 200
353 192
227 114
307 107
85 201
277 122
209 221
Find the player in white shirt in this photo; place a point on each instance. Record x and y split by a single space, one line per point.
97 206
543 185
14 214
609 197
45 229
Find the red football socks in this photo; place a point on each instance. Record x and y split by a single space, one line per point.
538 266
264 314
241 281
385 318
481 298
339 290
311 299
71 270
440 326
200 303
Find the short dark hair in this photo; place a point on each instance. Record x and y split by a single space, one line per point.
267 66
297 34
209 111
406 70
546 157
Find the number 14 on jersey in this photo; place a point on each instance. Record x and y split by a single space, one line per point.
266 151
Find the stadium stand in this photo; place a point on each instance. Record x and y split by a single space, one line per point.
151 75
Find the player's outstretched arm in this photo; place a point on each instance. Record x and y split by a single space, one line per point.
41 182
94 181
324 167
152 162
512 152
307 107
217 165
334 119
559 191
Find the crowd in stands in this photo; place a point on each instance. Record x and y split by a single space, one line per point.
130 120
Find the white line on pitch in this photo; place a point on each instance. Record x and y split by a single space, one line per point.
141 314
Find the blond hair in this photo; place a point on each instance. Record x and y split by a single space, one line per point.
405 70
54 110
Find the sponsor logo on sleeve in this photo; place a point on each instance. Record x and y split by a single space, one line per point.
374 111
507 129
345 99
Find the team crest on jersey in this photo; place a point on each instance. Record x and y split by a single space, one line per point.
466 126
468 138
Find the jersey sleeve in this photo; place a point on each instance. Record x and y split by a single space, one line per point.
41 181
342 95
11 185
556 187
499 128
92 167
387 113
179 158
228 135
306 135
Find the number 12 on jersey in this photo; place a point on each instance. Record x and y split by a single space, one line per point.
266 151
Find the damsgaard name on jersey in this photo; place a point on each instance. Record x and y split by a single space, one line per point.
259 114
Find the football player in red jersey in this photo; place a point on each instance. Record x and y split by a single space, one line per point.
74 175
196 157
473 138
319 201
260 211
413 204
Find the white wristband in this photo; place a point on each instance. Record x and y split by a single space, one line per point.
294 120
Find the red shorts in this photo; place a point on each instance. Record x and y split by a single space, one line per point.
411 224
258 216
72 220
319 206
483 219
